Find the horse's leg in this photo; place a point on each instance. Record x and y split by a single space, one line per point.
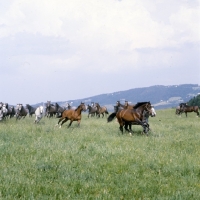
70 123
121 128
102 115
79 121
186 114
63 122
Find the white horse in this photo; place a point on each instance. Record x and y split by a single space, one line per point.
39 113
4 110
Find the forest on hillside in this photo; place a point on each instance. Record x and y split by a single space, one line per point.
195 101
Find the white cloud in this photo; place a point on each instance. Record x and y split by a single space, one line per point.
60 38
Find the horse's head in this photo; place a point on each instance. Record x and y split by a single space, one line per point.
48 104
118 103
4 109
153 112
41 109
20 106
83 106
148 108
126 103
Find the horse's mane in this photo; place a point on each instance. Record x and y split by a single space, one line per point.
140 104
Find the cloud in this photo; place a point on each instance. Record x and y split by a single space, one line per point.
58 40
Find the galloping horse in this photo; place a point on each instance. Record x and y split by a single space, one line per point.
50 109
91 110
31 109
125 106
137 116
20 111
59 110
39 113
72 115
101 110
185 108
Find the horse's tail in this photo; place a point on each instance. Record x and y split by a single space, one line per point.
111 117
106 112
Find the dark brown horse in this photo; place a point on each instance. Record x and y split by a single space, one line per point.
137 116
101 110
185 109
72 115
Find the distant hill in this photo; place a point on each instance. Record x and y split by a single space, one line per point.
160 96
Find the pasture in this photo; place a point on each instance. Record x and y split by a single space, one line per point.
40 161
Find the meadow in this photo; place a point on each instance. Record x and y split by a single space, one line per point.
95 161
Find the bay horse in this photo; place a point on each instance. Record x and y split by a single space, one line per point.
20 111
31 109
137 116
72 115
101 110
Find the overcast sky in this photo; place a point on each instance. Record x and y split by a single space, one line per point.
69 49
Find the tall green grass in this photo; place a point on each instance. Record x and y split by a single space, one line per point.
96 162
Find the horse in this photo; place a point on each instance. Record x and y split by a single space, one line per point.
10 110
125 106
5 111
72 115
91 110
1 115
59 110
186 109
30 109
21 111
137 116
1 105
50 109
39 113
101 110
177 112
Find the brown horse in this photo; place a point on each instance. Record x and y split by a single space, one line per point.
137 116
125 106
187 109
101 110
72 115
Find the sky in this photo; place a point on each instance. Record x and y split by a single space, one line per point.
59 50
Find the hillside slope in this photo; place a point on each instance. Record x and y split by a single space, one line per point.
160 96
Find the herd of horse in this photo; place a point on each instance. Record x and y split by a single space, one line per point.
126 114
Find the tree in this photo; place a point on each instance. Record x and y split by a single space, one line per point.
195 101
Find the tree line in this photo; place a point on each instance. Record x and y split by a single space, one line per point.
195 101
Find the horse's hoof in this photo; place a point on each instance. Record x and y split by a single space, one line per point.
130 134
60 126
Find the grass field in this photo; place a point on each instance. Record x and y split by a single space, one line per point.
96 162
